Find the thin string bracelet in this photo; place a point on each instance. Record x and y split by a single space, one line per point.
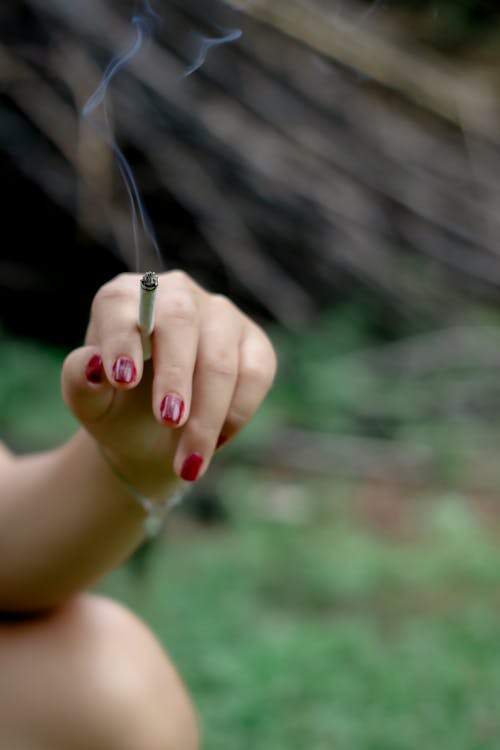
156 511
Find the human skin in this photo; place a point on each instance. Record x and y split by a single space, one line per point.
91 675
65 517
80 671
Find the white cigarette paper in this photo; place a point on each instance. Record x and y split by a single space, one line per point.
149 288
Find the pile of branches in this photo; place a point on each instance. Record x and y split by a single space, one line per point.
317 154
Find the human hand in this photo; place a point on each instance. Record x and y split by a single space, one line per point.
211 368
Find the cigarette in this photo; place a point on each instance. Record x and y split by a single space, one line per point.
149 288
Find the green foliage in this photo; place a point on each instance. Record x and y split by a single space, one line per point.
435 387
295 625
32 413
323 635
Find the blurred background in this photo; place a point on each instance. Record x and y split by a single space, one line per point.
334 167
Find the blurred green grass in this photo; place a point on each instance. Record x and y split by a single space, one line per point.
298 622
32 413
325 635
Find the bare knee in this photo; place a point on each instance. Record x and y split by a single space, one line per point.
147 705
91 675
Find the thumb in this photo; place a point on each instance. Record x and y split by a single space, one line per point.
85 389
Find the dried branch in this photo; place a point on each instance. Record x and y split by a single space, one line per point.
463 98
301 178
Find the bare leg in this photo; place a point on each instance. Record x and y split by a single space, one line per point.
90 675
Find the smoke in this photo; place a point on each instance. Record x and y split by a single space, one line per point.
377 5
204 44
95 110
144 25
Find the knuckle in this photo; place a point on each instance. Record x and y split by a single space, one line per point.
180 278
180 306
203 431
265 357
220 362
113 290
222 304
173 373
269 349
260 373
270 357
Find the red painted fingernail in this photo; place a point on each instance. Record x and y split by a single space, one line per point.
94 372
172 409
191 467
222 440
124 370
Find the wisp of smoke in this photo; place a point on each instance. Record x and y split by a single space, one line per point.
372 9
144 23
205 44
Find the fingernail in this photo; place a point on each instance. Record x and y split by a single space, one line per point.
221 441
172 408
191 467
124 370
94 372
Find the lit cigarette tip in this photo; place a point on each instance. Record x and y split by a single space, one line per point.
149 286
149 281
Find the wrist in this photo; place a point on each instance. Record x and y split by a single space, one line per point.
155 492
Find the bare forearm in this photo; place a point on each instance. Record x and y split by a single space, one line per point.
65 520
65 517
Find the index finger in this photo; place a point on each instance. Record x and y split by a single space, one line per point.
114 328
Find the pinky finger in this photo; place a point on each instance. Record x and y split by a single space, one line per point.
256 375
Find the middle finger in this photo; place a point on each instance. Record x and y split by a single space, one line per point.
214 381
